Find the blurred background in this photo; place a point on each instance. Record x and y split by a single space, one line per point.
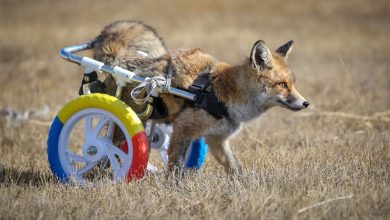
341 60
340 55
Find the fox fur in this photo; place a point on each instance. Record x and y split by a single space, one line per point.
248 89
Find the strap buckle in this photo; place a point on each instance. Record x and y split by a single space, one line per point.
201 83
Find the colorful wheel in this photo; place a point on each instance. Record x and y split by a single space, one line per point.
80 146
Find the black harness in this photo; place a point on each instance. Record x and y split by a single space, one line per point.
205 97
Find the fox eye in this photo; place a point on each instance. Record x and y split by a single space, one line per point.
283 85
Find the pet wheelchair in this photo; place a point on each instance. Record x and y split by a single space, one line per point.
80 140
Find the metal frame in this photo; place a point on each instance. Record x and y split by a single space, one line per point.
121 75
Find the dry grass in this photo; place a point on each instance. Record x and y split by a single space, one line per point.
335 164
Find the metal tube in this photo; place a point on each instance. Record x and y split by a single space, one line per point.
151 132
146 113
68 54
118 92
182 93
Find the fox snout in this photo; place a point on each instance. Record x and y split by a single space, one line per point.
293 101
300 100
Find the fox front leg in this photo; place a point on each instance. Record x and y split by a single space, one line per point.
220 149
190 124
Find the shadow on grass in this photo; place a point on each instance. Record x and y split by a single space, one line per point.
12 176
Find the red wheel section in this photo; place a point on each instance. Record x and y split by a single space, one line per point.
140 155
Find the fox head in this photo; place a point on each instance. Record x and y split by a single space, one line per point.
273 79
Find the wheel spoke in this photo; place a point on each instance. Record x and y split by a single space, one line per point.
116 167
75 157
86 168
100 126
88 127
110 130
117 151
163 154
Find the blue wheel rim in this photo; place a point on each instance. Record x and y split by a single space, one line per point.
52 150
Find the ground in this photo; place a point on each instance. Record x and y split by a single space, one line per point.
334 155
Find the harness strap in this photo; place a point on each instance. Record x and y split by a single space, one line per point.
205 97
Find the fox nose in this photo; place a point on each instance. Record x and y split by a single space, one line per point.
305 104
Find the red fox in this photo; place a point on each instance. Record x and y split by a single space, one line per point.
246 90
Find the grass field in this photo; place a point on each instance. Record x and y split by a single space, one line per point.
331 161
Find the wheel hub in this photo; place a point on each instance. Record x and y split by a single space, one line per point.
94 150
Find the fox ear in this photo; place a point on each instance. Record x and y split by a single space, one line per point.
285 49
261 56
